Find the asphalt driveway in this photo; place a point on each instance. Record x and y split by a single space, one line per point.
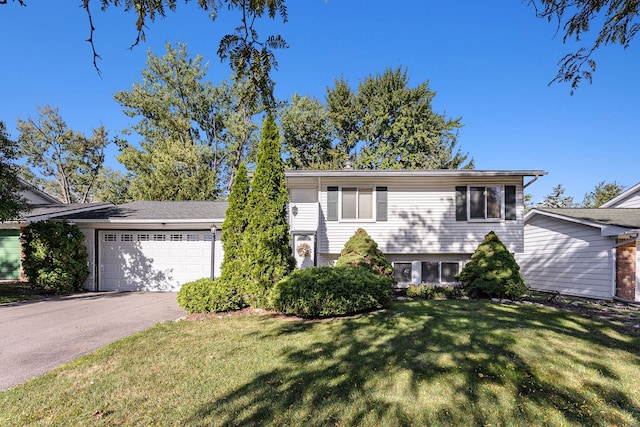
36 336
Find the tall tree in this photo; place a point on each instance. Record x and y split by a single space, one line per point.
234 225
386 124
12 204
557 199
617 21
307 134
600 195
194 134
67 163
266 241
250 57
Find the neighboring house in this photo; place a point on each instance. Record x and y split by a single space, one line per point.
427 222
42 206
585 252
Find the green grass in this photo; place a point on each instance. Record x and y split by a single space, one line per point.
418 363
18 291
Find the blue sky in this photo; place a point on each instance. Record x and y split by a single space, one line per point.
489 62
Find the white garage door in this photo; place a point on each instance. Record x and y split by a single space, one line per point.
152 260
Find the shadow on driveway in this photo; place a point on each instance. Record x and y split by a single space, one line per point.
38 335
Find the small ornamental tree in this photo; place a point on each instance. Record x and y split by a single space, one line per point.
493 271
55 257
266 248
234 225
362 251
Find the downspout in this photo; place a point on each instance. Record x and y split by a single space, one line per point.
213 251
535 178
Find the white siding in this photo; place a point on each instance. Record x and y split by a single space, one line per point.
304 210
421 218
566 257
633 201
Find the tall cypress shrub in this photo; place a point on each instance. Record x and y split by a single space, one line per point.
234 225
266 242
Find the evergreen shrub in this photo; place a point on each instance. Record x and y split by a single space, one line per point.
331 291
209 296
362 251
492 272
55 257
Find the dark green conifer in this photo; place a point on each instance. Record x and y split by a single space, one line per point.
362 251
266 241
234 225
493 271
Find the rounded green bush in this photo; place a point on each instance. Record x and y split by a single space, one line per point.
331 291
362 251
209 296
55 257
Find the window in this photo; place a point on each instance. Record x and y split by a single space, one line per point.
486 203
439 272
449 271
159 237
175 237
402 272
207 237
357 203
193 237
143 237
110 238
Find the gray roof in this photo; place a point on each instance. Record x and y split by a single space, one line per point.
621 217
157 211
60 210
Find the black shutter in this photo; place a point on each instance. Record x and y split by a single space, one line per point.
332 203
510 202
381 203
461 203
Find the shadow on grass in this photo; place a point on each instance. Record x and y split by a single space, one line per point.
443 362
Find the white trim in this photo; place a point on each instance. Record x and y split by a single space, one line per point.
606 230
415 173
620 197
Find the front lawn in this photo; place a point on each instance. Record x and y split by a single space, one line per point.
418 363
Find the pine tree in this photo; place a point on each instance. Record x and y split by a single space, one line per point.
362 251
492 271
234 225
266 241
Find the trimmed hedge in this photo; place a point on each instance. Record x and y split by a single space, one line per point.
209 296
55 257
331 291
435 292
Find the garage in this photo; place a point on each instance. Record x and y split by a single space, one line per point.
9 254
150 260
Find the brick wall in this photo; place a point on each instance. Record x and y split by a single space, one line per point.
626 270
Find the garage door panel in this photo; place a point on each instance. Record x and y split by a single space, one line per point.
152 260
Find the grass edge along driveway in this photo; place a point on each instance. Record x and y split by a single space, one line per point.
418 363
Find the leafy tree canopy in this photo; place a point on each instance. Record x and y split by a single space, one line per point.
616 22
194 134
65 163
384 124
11 202
600 195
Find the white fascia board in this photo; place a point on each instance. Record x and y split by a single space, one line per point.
414 173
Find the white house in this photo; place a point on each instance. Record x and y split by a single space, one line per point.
427 222
585 252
